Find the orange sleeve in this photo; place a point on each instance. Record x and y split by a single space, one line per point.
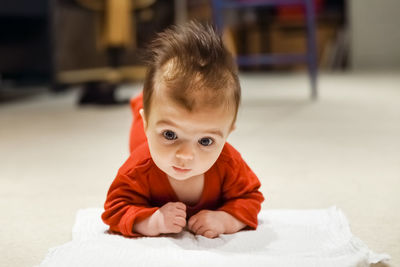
126 203
240 193
128 197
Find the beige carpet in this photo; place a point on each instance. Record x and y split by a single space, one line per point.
343 150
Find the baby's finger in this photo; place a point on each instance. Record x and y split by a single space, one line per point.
180 221
176 229
192 221
201 230
180 205
180 213
195 227
210 234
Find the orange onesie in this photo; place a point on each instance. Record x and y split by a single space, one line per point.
140 187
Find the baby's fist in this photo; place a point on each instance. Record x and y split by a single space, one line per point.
207 223
171 217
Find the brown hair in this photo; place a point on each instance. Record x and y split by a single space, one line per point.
195 67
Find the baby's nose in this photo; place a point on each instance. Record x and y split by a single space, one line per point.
185 152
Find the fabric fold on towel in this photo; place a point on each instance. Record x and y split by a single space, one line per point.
283 238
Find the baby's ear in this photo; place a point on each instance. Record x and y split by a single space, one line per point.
233 127
141 111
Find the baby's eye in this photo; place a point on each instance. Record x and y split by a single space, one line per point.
169 135
206 141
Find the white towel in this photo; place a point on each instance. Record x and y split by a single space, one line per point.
283 238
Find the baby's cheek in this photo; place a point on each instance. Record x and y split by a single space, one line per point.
165 155
208 159
160 154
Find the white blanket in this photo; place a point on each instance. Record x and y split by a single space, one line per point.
283 238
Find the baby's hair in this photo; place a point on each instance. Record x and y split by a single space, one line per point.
194 66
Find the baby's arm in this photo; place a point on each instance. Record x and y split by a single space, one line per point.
211 223
170 218
128 211
241 202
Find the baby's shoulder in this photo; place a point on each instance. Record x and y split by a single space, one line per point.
139 161
229 155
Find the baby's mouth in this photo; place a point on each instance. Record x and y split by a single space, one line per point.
181 170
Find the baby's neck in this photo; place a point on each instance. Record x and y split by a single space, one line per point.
188 191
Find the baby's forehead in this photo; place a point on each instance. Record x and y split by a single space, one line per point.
190 100
195 98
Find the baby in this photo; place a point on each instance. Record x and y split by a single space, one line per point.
181 172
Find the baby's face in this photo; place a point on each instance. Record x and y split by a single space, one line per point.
185 144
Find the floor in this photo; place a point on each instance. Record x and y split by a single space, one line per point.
342 150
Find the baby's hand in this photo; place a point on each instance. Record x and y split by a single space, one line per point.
208 223
171 217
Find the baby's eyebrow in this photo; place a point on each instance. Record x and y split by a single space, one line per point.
215 132
211 131
166 122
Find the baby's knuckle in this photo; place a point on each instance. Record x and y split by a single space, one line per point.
177 229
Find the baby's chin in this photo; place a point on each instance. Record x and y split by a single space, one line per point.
181 176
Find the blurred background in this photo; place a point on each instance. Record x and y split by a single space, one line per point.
98 44
319 122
